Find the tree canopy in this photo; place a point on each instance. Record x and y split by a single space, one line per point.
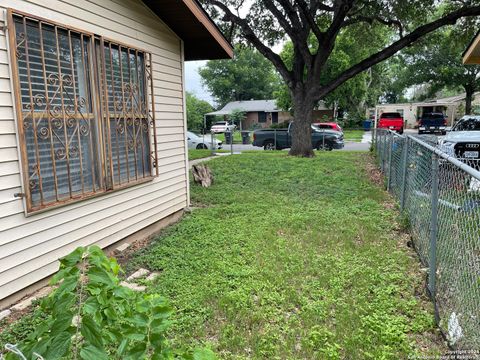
248 76
196 109
361 91
272 21
436 60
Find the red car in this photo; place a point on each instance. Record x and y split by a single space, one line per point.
328 125
392 121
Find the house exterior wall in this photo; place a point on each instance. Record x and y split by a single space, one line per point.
412 111
30 245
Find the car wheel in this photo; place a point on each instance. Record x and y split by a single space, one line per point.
269 145
444 133
324 146
400 131
201 147
420 132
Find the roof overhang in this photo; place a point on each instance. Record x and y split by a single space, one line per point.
202 38
471 56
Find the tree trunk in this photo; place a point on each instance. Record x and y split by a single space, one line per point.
301 128
469 91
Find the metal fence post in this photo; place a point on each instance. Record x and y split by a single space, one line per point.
231 141
390 150
212 144
275 139
385 151
433 230
404 174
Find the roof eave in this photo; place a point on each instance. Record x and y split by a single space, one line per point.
471 56
202 39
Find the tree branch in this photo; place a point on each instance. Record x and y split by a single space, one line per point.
389 51
309 15
254 40
371 19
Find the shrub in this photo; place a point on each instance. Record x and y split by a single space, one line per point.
91 316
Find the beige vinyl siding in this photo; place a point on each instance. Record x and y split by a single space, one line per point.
30 245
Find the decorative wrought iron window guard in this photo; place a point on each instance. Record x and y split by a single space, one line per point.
85 108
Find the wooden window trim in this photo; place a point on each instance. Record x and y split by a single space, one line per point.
96 108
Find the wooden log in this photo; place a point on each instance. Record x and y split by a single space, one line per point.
202 175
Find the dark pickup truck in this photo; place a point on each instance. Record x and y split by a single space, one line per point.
432 123
271 139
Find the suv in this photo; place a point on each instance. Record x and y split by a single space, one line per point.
392 121
432 122
222 127
463 140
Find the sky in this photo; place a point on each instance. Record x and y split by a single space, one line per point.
193 81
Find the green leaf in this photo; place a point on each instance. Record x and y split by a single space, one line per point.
91 306
204 354
123 292
136 352
62 322
122 347
91 331
73 258
100 276
59 346
93 353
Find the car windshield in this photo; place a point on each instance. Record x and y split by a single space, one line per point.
220 123
434 116
469 124
392 115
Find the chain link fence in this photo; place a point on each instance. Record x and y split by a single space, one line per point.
439 196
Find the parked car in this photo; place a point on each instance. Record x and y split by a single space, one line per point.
392 121
328 125
463 139
222 126
271 139
202 141
432 123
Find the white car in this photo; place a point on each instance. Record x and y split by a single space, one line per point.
222 127
463 139
202 141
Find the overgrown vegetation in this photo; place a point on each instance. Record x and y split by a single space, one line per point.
290 258
91 316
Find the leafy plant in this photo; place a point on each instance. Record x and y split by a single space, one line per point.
91 316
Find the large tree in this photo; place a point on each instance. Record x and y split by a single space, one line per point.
271 21
196 110
248 76
361 91
436 60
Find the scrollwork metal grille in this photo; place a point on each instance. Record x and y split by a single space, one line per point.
85 108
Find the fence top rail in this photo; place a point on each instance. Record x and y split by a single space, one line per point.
468 169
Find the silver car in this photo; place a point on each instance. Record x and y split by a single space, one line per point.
202 141
463 139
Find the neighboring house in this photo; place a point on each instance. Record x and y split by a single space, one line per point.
264 113
450 106
92 125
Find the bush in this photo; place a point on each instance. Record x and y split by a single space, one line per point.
91 316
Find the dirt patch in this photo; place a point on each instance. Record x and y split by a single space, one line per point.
372 170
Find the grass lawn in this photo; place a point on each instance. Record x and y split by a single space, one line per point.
194 154
288 258
353 135
291 258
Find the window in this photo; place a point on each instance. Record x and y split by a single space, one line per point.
275 118
262 117
86 125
